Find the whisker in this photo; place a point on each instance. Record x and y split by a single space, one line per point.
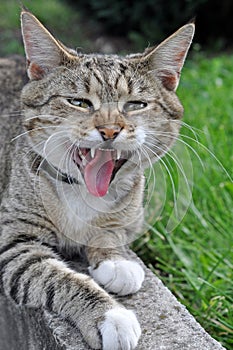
25 155
35 129
173 156
12 114
67 160
151 173
49 162
193 129
186 144
46 116
170 176
50 138
197 155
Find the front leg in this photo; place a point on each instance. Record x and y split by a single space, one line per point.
110 268
33 275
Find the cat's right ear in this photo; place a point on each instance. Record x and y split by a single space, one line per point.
43 51
167 59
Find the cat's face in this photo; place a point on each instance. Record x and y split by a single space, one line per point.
98 118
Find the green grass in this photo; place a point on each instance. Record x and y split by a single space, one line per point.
195 260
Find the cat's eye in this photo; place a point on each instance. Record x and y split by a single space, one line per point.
134 106
81 103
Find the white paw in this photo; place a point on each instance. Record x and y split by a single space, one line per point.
121 276
120 330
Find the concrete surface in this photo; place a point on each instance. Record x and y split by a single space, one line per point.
166 324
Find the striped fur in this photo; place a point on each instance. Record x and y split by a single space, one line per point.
45 220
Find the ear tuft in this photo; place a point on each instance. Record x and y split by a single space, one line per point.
168 78
35 71
43 52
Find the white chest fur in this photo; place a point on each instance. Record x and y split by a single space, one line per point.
82 210
78 215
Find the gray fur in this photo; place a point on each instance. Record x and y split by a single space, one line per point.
45 220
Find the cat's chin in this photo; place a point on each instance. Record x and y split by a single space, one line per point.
99 167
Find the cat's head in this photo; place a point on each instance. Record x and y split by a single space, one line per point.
99 118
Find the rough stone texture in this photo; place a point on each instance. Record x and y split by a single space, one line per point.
12 79
166 324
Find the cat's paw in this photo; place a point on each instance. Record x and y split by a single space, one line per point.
120 276
120 330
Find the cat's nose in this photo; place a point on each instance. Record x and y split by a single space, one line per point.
109 132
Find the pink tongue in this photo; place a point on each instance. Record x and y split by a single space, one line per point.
98 173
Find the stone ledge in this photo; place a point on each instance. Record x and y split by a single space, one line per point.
165 323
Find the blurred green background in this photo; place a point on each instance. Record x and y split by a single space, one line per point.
195 260
120 25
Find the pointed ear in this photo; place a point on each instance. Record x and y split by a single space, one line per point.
167 59
43 51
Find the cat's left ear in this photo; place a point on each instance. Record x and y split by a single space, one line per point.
43 51
167 59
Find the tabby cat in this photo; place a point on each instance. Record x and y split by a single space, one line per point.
91 124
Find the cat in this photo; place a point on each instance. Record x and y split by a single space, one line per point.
91 124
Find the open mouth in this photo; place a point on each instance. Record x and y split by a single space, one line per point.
99 167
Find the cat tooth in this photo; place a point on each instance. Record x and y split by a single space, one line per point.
84 161
118 154
92 152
